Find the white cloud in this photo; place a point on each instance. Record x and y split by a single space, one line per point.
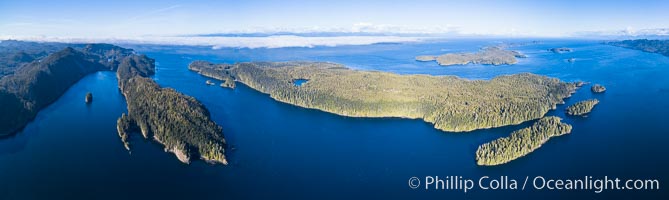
235 42
360 27
627 32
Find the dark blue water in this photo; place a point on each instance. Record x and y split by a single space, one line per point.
281 151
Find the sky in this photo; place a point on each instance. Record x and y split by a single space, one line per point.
129 18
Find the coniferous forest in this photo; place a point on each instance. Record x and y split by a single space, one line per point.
448 102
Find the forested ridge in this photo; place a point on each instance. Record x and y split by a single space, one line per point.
29 86
521 142
651 46
178 121
35 75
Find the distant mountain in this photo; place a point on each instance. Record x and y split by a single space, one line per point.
14 54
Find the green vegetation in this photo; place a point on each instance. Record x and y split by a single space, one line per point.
582 107
124 125
520 142
179 122
228 83
651 46
37 83
597 88
14 54
89 97
34 75
211 70
448 102
489 56
561 50
34 80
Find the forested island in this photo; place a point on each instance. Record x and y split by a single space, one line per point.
489 56
178 121
597 88
651 46
561 50
448 102
520 142
582 107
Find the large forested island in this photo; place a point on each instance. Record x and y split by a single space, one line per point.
652 46
489 55
35 75
448 102
520 142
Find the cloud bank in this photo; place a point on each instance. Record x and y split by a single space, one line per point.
277 41
628 32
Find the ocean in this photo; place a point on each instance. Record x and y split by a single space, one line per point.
277 150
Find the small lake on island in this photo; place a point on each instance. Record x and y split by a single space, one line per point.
299 82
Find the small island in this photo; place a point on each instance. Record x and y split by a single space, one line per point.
448 102
597 88
488 56
520 142
89 97
561 50
582 107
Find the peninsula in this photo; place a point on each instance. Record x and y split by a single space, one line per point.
582 107
651 46
488 56
520 142
448 102
178 121
27 87
38 75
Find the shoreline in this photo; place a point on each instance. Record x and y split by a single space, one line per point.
216 71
